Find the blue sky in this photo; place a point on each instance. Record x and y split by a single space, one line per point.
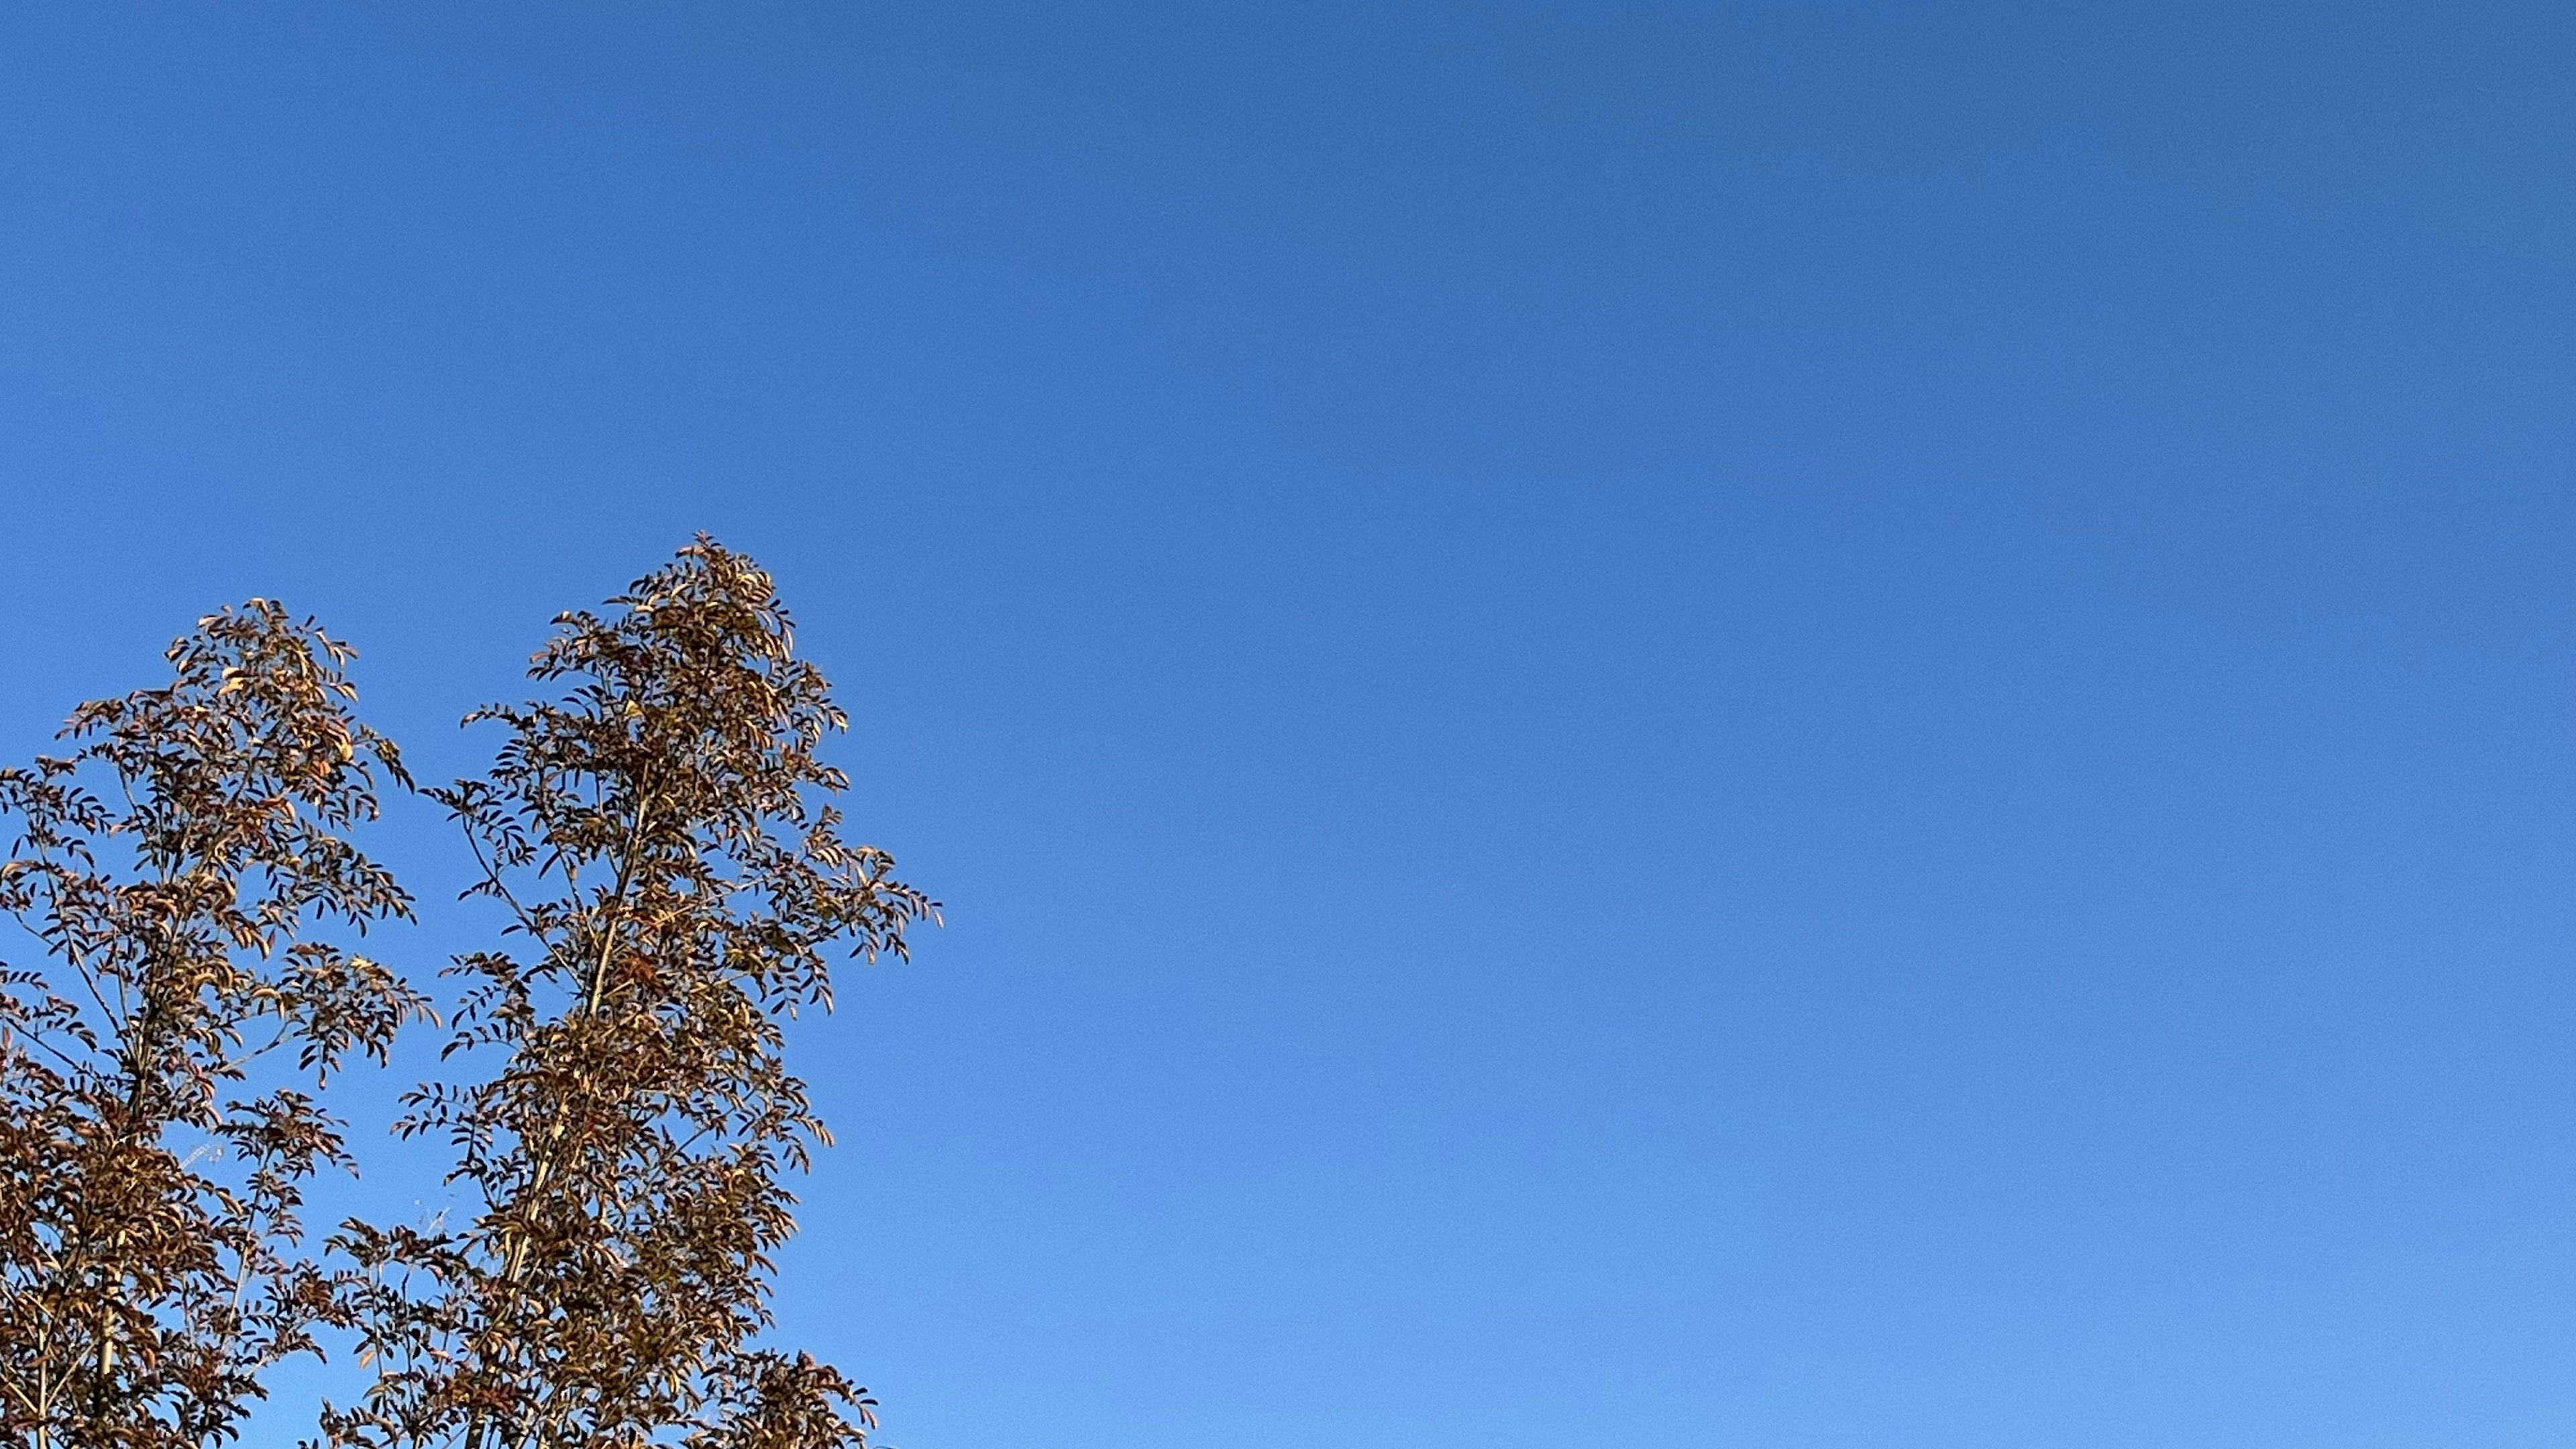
1774 725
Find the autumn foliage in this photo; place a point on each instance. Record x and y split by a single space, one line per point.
656 840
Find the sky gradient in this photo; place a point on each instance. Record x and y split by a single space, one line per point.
1644 726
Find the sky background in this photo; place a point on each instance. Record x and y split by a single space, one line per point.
1772 724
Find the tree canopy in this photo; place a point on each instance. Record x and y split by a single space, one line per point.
662 841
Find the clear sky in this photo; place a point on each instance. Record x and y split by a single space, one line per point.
1771 724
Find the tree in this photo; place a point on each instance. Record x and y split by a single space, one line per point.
172 866
660 839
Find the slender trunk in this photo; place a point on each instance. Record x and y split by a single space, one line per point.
138 1072
111 1279
515 1262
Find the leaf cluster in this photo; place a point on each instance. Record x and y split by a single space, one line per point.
659 835
174 865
